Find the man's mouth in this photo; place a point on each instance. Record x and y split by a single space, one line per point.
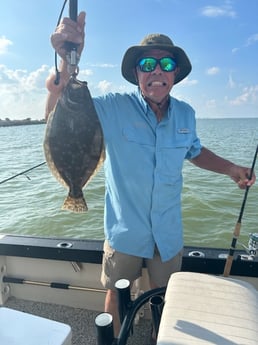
156 83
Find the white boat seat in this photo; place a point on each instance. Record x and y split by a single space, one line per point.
204 309
19 328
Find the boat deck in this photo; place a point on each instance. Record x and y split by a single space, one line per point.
82 321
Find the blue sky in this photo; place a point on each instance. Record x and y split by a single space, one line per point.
220 38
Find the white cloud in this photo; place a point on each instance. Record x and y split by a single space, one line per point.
23 93
211 103
4 44
22 79
234 50
231 82
212 70
252 40
36 79
104 86
188 82
104 65
84 73
248 95
218 11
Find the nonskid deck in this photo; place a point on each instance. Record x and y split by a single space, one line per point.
82 321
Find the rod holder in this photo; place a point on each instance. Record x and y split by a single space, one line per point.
124 297
156 304
133 309
105 330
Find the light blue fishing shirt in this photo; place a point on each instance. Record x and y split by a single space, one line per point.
143 173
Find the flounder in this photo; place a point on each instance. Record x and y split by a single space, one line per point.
73 143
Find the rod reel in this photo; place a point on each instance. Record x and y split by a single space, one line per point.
252 248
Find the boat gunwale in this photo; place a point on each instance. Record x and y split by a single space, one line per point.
204 260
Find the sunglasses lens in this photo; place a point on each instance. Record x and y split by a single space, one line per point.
167 64
147 64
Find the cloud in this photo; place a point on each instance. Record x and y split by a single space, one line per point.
188 82
248 95
22 92
218 11
212 70
211 103
22 79
36 79
231 82
104 65
234 50
84 73
104 86
4 44
252 40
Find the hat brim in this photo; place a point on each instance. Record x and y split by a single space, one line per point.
134 53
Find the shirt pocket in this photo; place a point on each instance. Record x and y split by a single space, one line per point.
172 157
139 135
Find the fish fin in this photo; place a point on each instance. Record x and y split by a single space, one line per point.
77 205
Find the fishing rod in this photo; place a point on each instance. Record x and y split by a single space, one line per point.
54 285
236 232
72 57
70 47
22 173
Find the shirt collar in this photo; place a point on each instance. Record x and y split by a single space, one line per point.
142 101
146 106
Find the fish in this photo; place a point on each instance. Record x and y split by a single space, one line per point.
73 142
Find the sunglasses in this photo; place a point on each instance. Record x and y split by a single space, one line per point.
148 64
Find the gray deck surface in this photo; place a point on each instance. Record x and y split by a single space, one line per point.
80 320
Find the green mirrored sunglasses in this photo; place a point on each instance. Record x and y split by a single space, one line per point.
148 64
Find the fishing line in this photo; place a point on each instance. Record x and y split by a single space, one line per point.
23 173
236 232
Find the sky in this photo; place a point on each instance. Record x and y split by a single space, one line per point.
220 38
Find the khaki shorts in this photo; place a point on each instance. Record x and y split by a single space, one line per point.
116 265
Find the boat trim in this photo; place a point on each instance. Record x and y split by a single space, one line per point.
195 259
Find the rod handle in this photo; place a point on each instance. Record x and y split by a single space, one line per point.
70 46
228 266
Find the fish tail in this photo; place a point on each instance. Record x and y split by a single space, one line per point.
77 205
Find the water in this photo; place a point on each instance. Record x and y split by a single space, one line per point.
31 204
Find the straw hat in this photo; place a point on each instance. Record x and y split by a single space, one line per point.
154 41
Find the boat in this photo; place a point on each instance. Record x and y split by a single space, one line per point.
59 279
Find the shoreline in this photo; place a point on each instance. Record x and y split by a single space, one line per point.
10 123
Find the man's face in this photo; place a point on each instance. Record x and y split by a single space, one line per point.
157 84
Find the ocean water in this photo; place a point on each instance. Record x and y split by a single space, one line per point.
30 204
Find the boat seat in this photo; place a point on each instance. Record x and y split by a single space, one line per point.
205 309
19 328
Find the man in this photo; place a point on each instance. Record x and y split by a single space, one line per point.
148 135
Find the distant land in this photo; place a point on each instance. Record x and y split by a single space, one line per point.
8 123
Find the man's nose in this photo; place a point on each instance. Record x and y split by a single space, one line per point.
157 69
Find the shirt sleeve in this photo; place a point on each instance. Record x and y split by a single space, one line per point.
194 150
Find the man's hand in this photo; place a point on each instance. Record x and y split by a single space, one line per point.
69 31
241 176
